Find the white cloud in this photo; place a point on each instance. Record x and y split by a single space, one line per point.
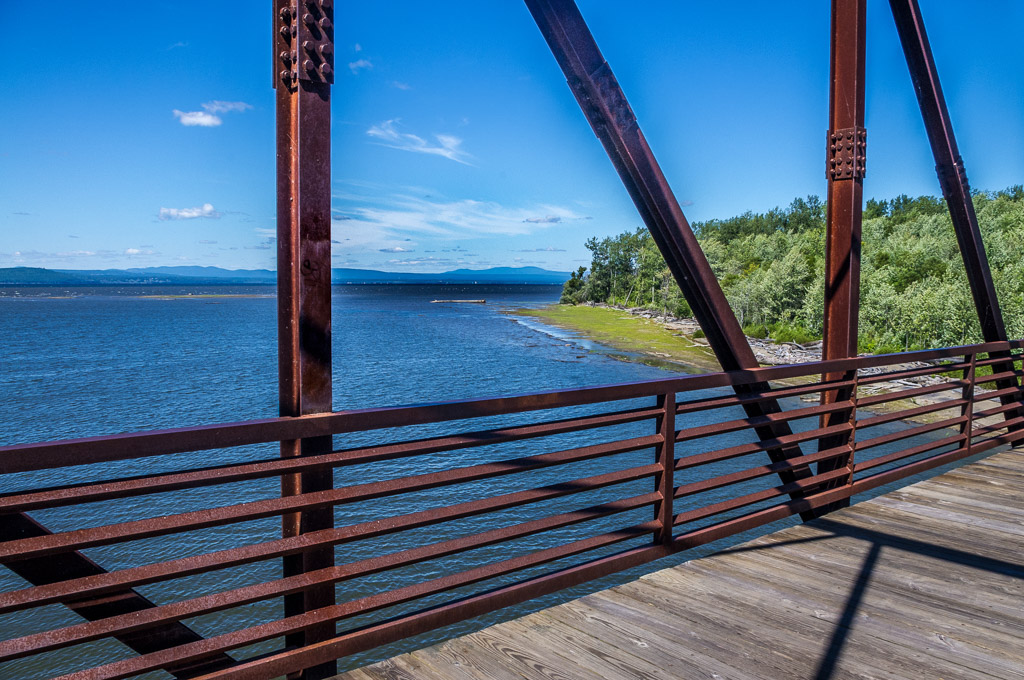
396 249
388 221
358 47
205 210
217 106
549 249
448 146
360 65
197 118
208 116
548 219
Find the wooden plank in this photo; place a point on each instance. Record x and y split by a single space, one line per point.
578 650
868 639
954 635
617 630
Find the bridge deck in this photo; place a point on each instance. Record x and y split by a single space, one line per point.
924 582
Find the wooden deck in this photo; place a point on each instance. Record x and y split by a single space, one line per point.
924 582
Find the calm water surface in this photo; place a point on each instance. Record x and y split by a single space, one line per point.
80 362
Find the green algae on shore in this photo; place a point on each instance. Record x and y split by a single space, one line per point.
620 330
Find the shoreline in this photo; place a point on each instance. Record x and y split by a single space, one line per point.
650 337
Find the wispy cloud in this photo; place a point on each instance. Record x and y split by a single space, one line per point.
357 47
541 250
360 65
206 210
206 241
401 85
396 249
176 45
390 220
447 146
218 106
547 219
208 116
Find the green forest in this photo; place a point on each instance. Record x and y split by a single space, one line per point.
914 291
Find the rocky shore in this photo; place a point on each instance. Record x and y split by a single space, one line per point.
771 353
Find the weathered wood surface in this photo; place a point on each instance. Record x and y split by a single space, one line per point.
924 582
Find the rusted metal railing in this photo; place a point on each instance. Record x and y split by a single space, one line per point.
589 469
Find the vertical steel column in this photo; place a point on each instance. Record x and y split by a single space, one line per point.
598 93
303 57
846 152
952 177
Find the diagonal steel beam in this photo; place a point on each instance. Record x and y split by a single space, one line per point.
45 570
952 177
609 114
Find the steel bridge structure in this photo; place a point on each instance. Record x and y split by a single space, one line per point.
806 471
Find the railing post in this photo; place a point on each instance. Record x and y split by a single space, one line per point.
967 409
666 457
851 459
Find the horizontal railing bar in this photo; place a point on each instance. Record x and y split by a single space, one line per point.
885 397
1013 422
200 519
998 360
997 394
909 432
759 471
112 582
995 377
910 413
94 630
26 457
273 629
756 397
923 465
996 410
917 372
766 494
761 446
700 431
146 484
907 453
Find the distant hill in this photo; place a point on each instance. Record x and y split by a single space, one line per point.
150 276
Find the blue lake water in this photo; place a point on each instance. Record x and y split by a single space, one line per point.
80 362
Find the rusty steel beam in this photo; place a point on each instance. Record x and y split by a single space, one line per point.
303 67
603 103
74 565
846 154
952 176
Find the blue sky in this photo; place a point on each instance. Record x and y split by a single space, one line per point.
146 137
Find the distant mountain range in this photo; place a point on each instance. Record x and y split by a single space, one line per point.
151 276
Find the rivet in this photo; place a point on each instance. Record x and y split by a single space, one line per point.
308 65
